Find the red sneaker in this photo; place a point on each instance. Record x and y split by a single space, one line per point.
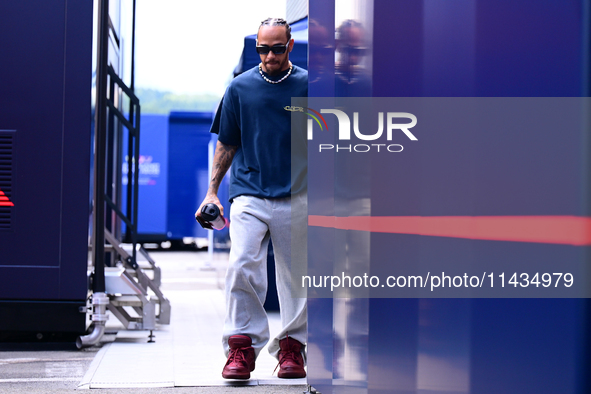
291 362
241 358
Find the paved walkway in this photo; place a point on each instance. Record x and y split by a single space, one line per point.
187 354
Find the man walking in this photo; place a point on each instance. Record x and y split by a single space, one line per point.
255 138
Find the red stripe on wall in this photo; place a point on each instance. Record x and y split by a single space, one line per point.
4 201
567 230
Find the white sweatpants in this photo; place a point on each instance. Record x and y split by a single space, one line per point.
253 221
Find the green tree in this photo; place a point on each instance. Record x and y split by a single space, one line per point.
158 102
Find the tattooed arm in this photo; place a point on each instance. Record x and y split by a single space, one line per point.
224 154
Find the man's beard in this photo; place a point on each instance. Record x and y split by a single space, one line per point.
277 67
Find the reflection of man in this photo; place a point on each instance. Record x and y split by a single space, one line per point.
255 137
320 53
352 79
353 199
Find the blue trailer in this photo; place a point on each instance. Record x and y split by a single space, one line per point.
45 155
174 177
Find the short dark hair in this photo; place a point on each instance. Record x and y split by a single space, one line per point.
343 31
276 22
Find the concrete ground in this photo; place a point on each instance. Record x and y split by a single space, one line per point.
193 282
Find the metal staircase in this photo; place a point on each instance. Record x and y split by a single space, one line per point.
134 288
122 283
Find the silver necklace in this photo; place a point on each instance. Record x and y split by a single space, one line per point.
281 80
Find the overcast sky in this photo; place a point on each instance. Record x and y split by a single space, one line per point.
192 46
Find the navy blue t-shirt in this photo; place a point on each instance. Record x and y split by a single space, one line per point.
253 117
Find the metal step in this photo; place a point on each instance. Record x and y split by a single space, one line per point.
126 300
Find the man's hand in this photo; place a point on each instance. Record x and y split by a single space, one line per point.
210 198
222 159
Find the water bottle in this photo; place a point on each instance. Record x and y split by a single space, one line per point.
210 214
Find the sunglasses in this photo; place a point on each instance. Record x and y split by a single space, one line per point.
353 50
276 49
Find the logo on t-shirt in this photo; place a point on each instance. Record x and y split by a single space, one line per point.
301 109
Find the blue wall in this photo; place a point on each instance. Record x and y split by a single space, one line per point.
187 171
153 178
